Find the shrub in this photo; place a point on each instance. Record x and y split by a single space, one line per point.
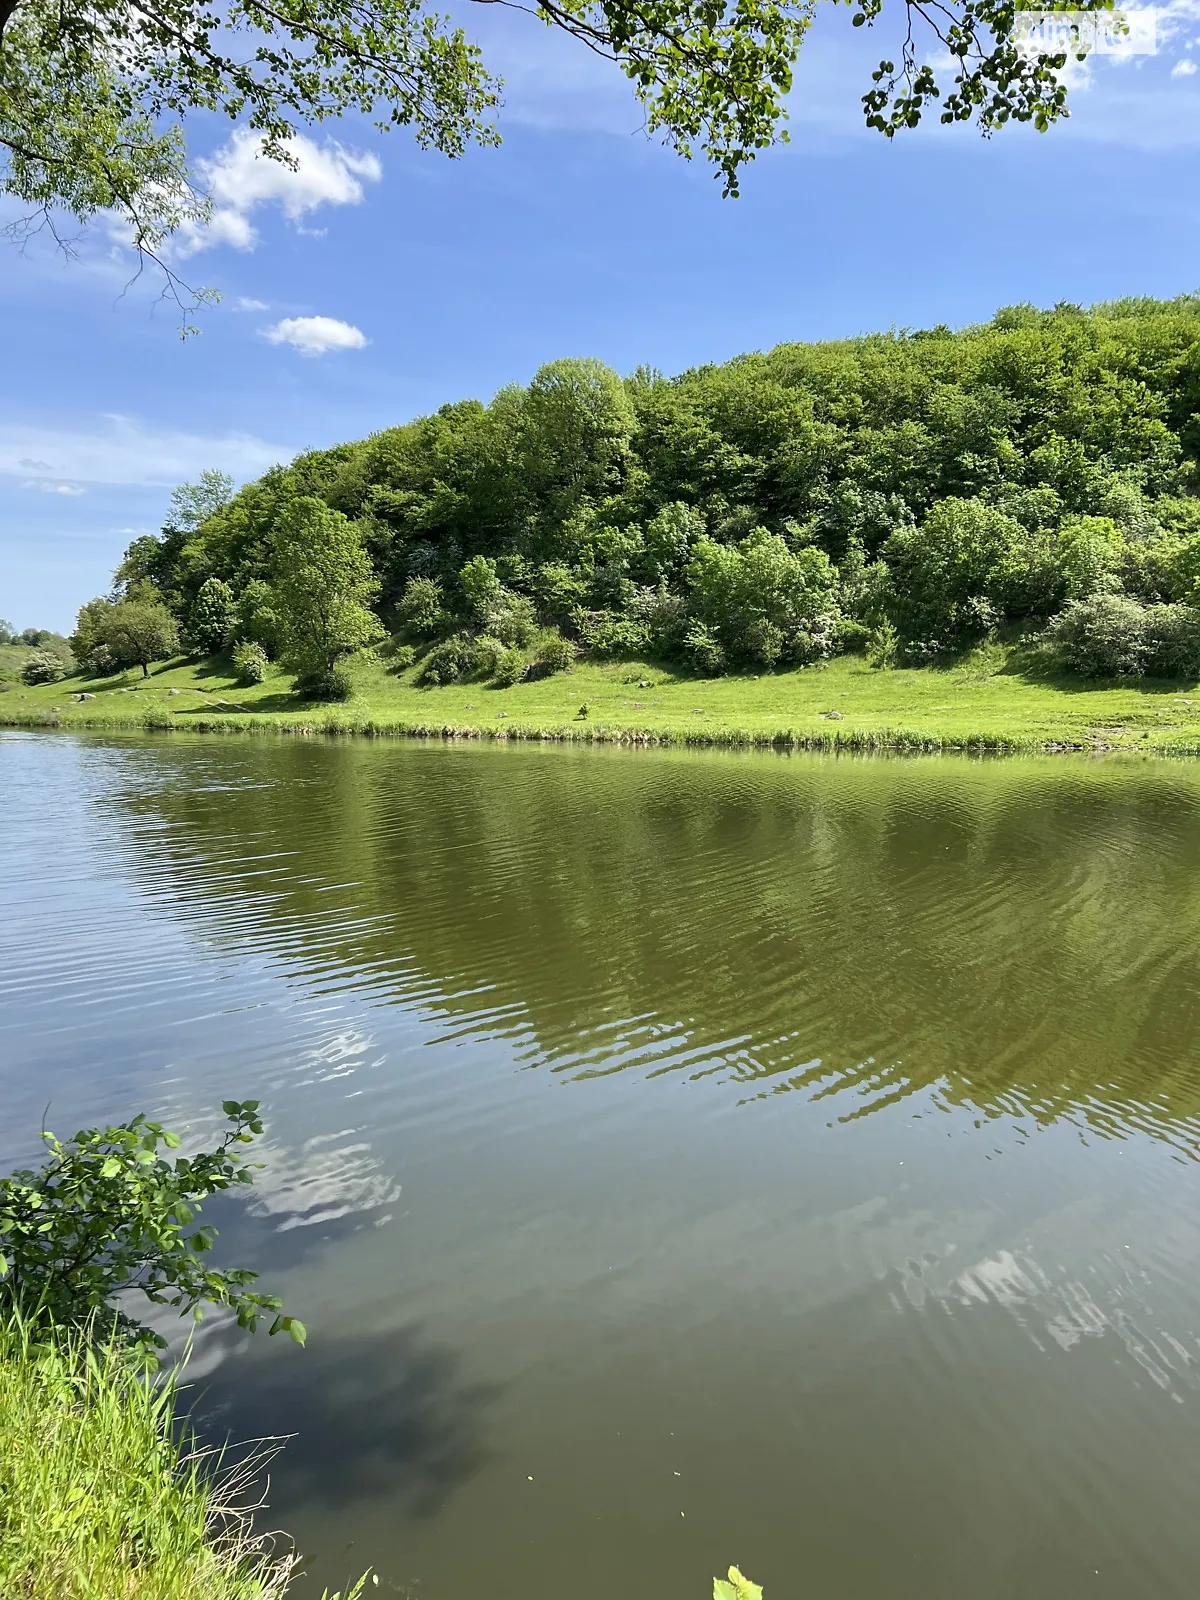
42 667
326 683
1104 636
853 638
402 657
763 601
883 645
107 1216
609 635
450 661
966 564
420 607
703 649
1173 635
488 654
556 655
250 662
510 669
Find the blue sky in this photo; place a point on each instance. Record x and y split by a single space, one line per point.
578 236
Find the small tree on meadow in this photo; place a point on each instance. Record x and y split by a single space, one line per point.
137 631
322 585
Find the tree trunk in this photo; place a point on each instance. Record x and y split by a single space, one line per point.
145 670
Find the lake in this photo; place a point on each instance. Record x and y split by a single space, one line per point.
677 1158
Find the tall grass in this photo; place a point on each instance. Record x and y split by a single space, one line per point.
103 1496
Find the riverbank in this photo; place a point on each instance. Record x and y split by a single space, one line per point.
104 1495
989 700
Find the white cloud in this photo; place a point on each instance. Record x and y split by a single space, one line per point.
245 303
48 486
314 336
1183 69
122 450
239 179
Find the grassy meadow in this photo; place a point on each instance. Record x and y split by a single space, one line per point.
992 698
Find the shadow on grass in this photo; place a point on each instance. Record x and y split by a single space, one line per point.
375 1415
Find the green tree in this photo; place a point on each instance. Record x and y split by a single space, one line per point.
139 631
213 618
321 585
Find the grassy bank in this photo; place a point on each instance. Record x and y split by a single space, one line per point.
991 699
100 1499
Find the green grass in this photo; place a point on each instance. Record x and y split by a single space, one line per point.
993 699
104 1497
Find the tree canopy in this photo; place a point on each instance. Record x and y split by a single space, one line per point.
773 510
94 93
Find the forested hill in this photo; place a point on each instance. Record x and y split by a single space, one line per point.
781 506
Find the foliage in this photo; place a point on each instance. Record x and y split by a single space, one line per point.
107 1215
326 683
421 607
250 661
556 655
957 574
936 484
133 632
736 1587
42 667
764 602
1113 635
510 669
213 619
321 587
450 661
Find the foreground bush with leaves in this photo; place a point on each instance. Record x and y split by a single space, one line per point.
108 1214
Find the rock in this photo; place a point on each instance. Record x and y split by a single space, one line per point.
834 716
173 691
644 683
87 696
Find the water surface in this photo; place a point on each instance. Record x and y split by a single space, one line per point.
676 1158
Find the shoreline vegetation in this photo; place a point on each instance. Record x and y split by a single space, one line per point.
989 700
927 540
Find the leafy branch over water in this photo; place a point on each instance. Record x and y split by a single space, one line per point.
107 1214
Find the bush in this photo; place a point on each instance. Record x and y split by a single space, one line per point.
1104 636
42 667
612 636
488 654
703 650
764 602
510 669
250 662
1173 635
449 662
327 683
556 655
401 657
420 607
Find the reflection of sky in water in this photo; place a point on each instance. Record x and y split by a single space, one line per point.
824 1145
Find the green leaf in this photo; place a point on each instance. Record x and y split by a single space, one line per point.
723 1590
296 1330
110 1168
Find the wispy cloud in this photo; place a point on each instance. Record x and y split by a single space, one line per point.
50 486
316 336
123 450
